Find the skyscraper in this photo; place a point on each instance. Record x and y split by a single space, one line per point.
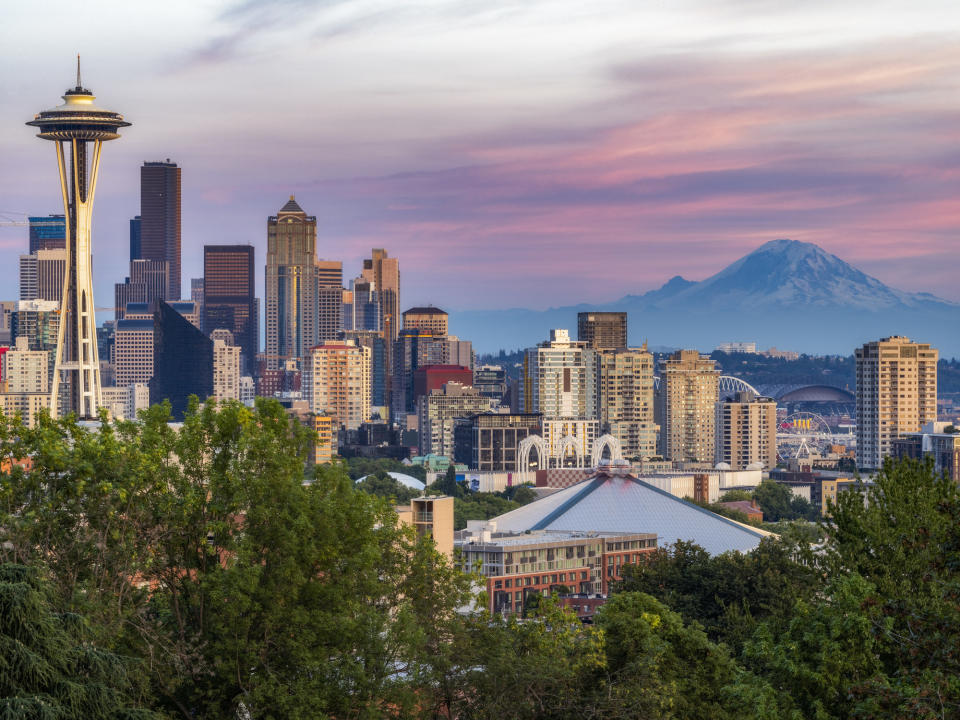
625 400
41 275
746 431
602 330
160 219
384 272
78 123
336 382
558 378
182 360
229 301
147 282
896 394
48 233
329 302
291 277
685 407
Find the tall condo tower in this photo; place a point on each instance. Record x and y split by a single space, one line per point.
74 126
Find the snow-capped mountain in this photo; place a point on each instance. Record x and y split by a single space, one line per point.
785 273
786 293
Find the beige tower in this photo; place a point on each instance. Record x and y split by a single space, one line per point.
291 285
686 405
625 400
896 394
336 382
746 431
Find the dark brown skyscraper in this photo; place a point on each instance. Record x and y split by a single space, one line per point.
602 330
229 300
160 219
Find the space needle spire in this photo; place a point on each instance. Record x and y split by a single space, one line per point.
77 126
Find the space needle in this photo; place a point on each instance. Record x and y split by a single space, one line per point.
75 385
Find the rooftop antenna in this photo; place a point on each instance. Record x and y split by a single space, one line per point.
78 72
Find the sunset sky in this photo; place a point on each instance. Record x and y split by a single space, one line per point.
510 153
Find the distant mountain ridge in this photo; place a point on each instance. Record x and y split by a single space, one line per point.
786 293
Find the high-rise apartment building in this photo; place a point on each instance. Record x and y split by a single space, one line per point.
38 321
491 381
430 320
373 339
41 275
160 219
133 351
226 371
438 411
336 382
896 394
329 299
48 233
25 370
229 298
686 407
602 330
625 407
291 282
558 378
746 432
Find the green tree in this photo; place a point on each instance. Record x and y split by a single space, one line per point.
728 594
659 667
448 485
540 667
778 503
736 495
48 666
384 486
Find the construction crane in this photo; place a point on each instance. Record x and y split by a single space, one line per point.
7 220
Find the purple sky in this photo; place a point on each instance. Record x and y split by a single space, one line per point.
511 153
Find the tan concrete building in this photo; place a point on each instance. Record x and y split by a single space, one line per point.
336 382
27 405
25 370
226 371
686 407
746 431
431 516
133 351
437 413
624 381
896 394
431 320
326 428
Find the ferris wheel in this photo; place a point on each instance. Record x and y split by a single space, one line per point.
801 435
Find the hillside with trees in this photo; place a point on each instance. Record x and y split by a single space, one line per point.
200 573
